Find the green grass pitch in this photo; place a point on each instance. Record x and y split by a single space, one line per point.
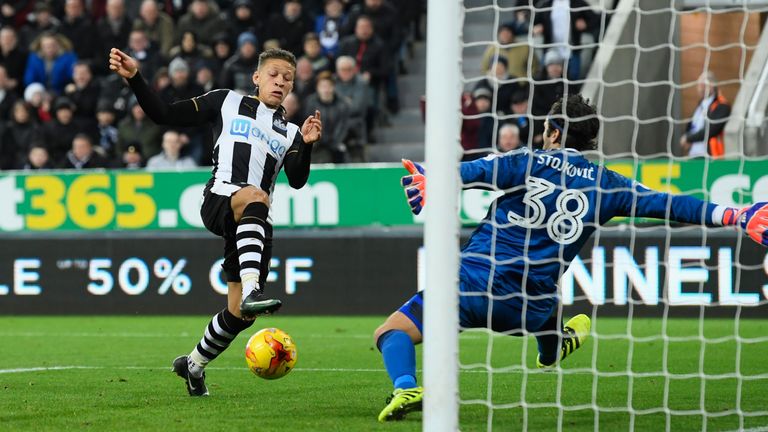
113 373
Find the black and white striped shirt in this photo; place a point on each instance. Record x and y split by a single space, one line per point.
252 142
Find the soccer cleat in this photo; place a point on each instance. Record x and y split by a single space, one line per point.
254 304
575 334
195 386
401 402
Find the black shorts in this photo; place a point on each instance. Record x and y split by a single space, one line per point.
217 216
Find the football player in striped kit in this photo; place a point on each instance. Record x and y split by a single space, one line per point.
252 142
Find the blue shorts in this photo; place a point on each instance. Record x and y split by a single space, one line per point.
506 316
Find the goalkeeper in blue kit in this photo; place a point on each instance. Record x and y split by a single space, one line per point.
553 200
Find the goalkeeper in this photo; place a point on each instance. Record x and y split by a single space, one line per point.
554 199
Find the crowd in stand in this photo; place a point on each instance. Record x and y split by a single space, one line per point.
60 107
524 78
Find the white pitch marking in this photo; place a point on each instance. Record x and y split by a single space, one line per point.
162 335
754 429
186 335
223 368
44 369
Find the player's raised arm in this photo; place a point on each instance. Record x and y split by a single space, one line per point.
299 155
188 112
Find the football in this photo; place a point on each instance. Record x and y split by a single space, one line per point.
270 353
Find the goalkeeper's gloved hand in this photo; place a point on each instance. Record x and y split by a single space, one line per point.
414 185
753 220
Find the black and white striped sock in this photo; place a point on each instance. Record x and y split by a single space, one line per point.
250 244
220 332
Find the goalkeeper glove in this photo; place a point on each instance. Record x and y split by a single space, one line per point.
414 185
753 220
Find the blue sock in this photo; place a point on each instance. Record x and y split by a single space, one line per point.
399 358
549 344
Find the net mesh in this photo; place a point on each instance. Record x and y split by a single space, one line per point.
677 341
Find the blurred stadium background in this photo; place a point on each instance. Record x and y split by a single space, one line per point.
95 235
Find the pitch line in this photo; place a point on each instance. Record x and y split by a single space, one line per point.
220 368
466 335
61 368
754 429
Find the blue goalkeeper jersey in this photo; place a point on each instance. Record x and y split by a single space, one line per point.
552 202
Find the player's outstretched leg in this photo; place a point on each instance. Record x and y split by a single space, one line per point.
396 339
252 228
402 402
573 336
220 332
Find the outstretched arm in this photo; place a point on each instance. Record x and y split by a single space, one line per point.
188 112
641 201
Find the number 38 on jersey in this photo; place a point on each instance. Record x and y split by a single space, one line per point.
565 224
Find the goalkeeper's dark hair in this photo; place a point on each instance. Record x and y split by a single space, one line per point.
577 122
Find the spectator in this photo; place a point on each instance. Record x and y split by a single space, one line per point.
331 147
156 25
550 85
520 117
132 157
84 92
60 132
222 51
328 27
408 16
521 23
509 138
313 52
704 133
137 128
139 47
19 132
203 20
304 84
107 132
271 44
356 92
385 25
51 64
477 126
182 87
37 159
383 19
39 100
82 155
193 53
237 73
500 84
241 19
205 79
13 12
289 27
369 54
7 96
79 29
170 158
113 29
292 107
516 54
562 23
42 21
13 57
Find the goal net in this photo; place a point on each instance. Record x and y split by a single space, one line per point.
678 337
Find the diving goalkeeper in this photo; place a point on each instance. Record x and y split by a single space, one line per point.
554 199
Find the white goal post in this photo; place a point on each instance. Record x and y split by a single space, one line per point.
441 229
